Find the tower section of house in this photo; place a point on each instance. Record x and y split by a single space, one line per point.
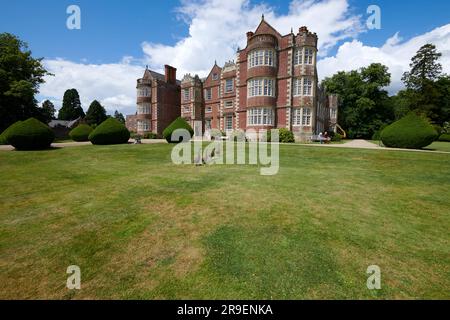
212 100
192 106
277 83
158 102
227 110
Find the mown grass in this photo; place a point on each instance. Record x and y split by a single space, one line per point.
142 227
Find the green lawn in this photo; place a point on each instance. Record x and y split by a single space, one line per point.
141 227
439 146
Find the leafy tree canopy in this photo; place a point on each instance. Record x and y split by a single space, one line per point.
71 108
20 77
96 113
364 104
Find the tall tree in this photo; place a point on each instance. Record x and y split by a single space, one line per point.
119 116
20 77
96 114
424 68
71 108
427 90
364 104
48 110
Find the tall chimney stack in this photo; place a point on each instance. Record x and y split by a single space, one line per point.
170 74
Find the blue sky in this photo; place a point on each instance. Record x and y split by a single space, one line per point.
117 38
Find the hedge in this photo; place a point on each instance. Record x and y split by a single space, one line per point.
110 131
410 132
445 137
285 136
178 123
4 135
81 132
30 134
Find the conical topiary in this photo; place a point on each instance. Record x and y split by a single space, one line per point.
5 133
178 123
81 132
110 131
30 134
410 132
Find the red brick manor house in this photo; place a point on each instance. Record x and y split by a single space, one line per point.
272 84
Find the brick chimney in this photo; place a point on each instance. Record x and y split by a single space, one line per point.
170 74
249 35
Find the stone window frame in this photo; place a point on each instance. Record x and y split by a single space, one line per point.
229 89
228 104
260 116
208 94
304 56
186 94
300 87
143 125
261 57
228 122
302 117
208 109
261 87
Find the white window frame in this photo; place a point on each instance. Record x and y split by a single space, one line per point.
228 125
302 117
143 125
228 104
261 87
208 93
308 56
186 94
261 57
208 109
306 116
307 89
229 88
304 55
186 109
260 116
145 108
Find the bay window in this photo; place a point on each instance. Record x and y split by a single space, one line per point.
261 57
261 87
261 116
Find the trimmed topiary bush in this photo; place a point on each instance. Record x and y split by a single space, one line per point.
410 132
285 135
30 134
445 137
4 135
81 132
178 123
110 131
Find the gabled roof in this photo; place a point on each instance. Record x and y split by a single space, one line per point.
149 74
265 28
215 67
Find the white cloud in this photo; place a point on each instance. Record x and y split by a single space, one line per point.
394 53
217 28
112 84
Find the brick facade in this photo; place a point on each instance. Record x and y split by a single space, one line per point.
273 83
283 98
158 102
